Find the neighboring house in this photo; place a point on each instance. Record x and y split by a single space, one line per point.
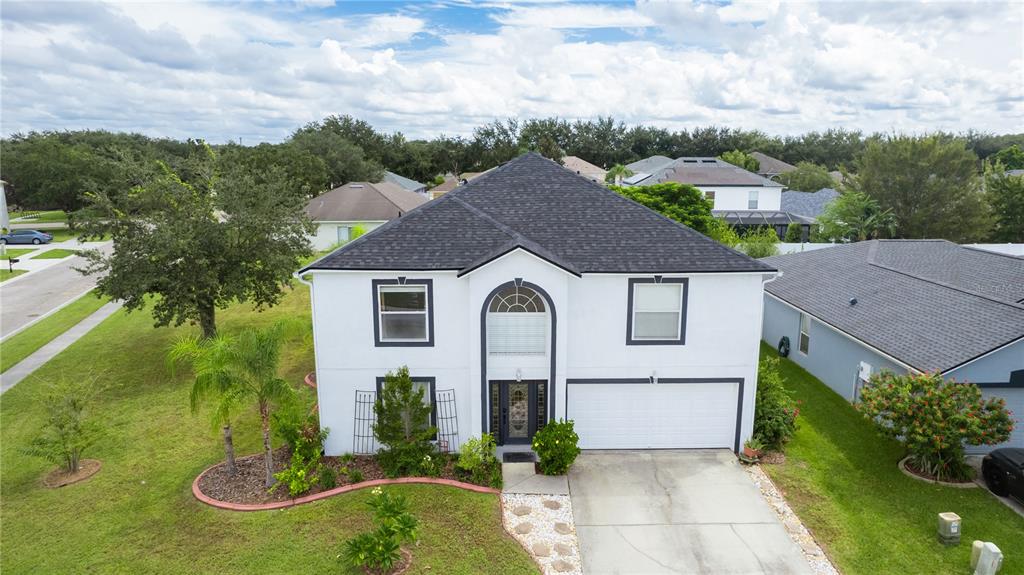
742 198
913 306
584 168
808 204
771 167
361 204
451 182
405 183
514 302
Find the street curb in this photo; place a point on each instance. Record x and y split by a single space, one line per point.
47 314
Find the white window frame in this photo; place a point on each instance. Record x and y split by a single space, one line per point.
753 196
383 286
804 334
634 288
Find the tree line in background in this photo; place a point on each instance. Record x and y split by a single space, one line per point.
933 185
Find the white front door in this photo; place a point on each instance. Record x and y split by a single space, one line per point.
650 416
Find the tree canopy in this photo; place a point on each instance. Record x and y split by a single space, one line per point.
741 159
807 177
854 216
1006 196
1011 158
680 202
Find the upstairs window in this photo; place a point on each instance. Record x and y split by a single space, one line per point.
752 199
657 311
517 323
805 333
402 313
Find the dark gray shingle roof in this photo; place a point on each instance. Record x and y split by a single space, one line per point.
810 204
534 203
929 303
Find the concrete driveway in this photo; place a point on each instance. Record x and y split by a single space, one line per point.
692 511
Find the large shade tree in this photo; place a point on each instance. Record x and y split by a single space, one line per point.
200 238
1005 193
680 202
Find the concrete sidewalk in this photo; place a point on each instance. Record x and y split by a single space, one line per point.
25 367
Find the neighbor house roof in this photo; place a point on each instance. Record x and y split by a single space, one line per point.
451 182
583 167
404 182
770 166
931 304
810 204
696 171
362 202
535 204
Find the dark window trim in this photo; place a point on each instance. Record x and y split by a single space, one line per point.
376 312
670 380
484 389
682 320
431 382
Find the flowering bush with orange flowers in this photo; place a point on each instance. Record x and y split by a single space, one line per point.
934 419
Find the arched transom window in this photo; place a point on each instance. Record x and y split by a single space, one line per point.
517 323
517 300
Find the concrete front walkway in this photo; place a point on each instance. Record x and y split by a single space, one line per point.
665 511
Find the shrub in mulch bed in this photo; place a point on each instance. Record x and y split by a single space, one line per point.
247 486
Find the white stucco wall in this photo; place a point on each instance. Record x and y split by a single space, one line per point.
723 329
735 197
326 234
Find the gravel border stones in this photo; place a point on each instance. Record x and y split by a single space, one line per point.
816 558
555 552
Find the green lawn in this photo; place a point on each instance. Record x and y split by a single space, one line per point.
6 274
65 234
137 515
42 332
55 254
15 253
841 478
43 217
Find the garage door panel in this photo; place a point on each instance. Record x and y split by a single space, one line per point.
664 415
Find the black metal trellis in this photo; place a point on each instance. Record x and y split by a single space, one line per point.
447 421
363 441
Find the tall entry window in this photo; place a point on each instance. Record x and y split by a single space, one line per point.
517 323
402 313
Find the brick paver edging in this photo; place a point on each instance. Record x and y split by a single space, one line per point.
329 493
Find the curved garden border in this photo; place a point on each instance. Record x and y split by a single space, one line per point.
909 473
198 493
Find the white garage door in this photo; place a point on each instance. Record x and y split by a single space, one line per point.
650 416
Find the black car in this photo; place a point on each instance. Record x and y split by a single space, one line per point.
1003 470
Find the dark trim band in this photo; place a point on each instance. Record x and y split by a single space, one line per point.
670 380
376 312
484 390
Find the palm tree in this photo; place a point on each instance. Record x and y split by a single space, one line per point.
237 368
616 174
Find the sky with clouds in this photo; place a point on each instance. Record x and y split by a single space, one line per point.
256 71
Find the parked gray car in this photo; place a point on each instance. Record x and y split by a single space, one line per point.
26 237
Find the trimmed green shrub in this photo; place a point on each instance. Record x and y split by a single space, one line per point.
760 243
934 418
478 459
557 446
775 412
328 478
794 233
300 476
355 476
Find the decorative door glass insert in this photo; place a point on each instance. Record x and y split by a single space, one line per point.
519 410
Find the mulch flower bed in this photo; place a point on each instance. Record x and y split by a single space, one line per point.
913 470
59 478
248 485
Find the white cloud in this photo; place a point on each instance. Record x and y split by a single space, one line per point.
258 71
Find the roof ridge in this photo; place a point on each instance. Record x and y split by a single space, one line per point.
388 198
503 227
872 252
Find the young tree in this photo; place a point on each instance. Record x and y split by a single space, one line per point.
854 216
741 159
1005 194
200 240
403 424
238 368
68 430
680 202
807 177
934 419
794 233
930 183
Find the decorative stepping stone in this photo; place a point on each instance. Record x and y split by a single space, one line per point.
564 549
561 565
524 528
563 528
540 550
522 510
552 504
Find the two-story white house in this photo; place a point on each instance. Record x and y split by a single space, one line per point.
532 293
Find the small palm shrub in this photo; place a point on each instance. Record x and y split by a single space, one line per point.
557 446
479 461
775 411
934 418
380 549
